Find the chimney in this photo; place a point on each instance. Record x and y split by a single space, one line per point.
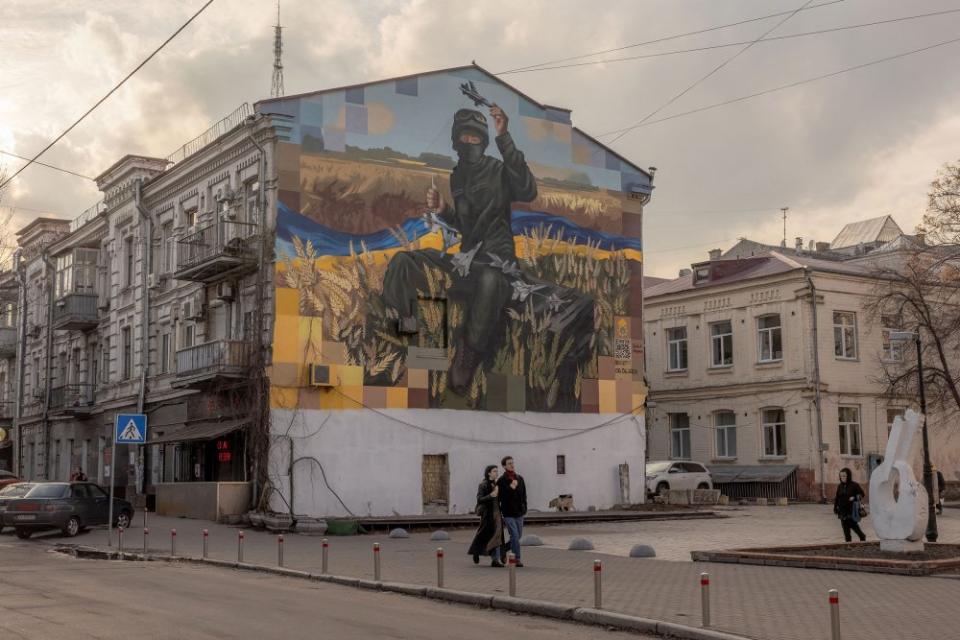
685 272
715 254
798 244
823 247
652 171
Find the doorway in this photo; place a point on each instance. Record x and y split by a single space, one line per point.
435 474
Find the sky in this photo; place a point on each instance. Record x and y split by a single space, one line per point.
855 146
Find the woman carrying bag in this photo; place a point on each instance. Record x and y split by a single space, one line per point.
489 537
848 506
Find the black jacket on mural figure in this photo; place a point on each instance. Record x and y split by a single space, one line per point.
842 504
513 502
489 535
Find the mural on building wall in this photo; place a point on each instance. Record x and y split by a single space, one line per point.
445 242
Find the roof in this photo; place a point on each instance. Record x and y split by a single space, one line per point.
474 66
651 281
882 229
36 222
745 248
207 430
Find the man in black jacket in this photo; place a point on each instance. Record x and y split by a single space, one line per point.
513 504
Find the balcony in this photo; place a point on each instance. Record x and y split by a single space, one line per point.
8 342
72 399
219 360
76 311
225 247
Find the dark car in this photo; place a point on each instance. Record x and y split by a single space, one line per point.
11 492
8 478
68 506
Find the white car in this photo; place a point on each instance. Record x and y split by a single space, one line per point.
676 474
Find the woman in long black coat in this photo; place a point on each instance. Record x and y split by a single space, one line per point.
848 497
489 537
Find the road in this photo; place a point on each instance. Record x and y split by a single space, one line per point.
48 595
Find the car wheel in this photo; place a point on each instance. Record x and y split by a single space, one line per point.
23 534
662 489
72 527
123 520
703 485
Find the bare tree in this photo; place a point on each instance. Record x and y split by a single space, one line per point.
942 219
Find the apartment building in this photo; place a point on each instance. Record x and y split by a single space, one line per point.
754 361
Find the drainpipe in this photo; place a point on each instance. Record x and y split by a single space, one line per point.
147 224
49 365
816 384
21 272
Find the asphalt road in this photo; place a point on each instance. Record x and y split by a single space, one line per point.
48 595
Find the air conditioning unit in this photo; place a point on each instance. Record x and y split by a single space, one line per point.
34 332
153 281
224 291
320 375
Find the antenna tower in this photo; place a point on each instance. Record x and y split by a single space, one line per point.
276 90
784 210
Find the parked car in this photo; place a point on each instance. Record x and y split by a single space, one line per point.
68 506
11 492
676 474
8 478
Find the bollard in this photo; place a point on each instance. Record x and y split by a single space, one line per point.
280 550
834 614
705 599
512 570
146 536
206 534
597 585
120 539
376 562
173 542
326 548
240 546
440 567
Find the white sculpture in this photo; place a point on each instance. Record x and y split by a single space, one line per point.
900 522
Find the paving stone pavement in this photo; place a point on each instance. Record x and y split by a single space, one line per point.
771 603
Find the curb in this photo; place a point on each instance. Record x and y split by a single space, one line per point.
539 608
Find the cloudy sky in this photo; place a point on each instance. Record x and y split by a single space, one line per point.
850 147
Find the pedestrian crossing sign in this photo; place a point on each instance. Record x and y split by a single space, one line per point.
130 428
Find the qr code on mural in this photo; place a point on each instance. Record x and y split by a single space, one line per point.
622 349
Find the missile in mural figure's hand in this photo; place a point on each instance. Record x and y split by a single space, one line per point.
470 90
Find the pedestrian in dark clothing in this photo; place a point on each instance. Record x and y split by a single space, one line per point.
942 488
78 476
846 505
513 504
489 537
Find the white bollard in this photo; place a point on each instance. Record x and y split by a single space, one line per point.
376 562
325 554
597 585
240 536
120 539
705 599
512 570
834 596
206 534
173 542
146 536
440 567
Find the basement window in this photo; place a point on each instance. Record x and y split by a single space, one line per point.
561 465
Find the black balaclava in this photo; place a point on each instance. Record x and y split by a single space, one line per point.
470 121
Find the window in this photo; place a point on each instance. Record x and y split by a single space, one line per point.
725 423
128 261
126 337
679 435
64 276
189 335
190 217
774 432
892 351
845 334
168 244
892 414
62 369
849 418
677 349
561 465
770 339
165 353
105 353
692 467
721 344
251 196
75 365
36 374
701 274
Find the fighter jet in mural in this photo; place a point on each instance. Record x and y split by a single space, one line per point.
485 272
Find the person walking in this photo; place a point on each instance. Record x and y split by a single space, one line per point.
846 505
78 476
513 504
941 489
489 537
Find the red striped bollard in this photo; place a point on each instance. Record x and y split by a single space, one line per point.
324 556
440 567
376 561
206 535
834 597
597 584
240 536
705 599
280 550
173 542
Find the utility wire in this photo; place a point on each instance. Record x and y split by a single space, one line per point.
779 88
44 164
663 39
109 93
790 36
710 73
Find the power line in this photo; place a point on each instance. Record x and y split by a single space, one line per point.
711 72
780 88
44 164
109 93
790 36
663 39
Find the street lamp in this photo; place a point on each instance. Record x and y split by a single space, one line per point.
907 336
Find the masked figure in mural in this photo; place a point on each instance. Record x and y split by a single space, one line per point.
485 273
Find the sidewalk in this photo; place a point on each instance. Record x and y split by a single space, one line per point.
771 603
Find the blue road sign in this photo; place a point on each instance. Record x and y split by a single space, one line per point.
131 428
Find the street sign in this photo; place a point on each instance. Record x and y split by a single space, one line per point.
131 428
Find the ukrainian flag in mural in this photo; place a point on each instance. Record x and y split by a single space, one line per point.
458 242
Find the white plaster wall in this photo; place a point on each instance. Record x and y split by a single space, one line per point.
374 462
